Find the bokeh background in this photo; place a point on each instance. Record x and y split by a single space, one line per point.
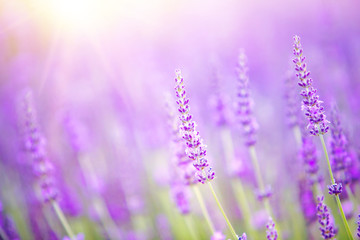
105 66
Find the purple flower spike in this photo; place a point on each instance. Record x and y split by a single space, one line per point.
180 196
195 148
243 237
311 105
310 160
35 146
326 226
271 233
335 189
245 102
340 158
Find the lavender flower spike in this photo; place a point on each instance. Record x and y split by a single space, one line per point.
271 233
244 102
358 229
196 150
311 104
243 237
326 227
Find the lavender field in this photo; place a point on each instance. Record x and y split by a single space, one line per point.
143 120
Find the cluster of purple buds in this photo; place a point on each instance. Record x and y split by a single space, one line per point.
35 147
181 161
271 233
263 194
195 148
245 102
311 104
335 189
243 237
340 158
327 229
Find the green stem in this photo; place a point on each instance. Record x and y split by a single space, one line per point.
348 231
63 220
203 208
190 226
351 196
223 212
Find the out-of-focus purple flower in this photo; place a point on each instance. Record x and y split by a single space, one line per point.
292 103
163 227
358 229
217 236
335 189
35 146
243 237
339 149
7 226
327 228
219 103
244 102
77 133
196 149
311 104
309 158
180 195
265 193
271 233
80 236
308 205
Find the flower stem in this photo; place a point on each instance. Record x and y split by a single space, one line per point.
203 209
63 220
190 225
348 231
223 212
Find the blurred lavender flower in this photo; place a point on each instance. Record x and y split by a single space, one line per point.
308 205
35 146
243 237
217 236
292 105
7 226
271 233
80 236
244 102
266 193
327 228
180 195
311 104
358 229
339 149
163 227
218 102
309 158
195 150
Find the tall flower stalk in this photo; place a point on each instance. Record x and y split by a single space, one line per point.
42 166
246 118
196 149
314 111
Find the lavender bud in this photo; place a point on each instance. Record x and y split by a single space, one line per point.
243 237
335 189
271 233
